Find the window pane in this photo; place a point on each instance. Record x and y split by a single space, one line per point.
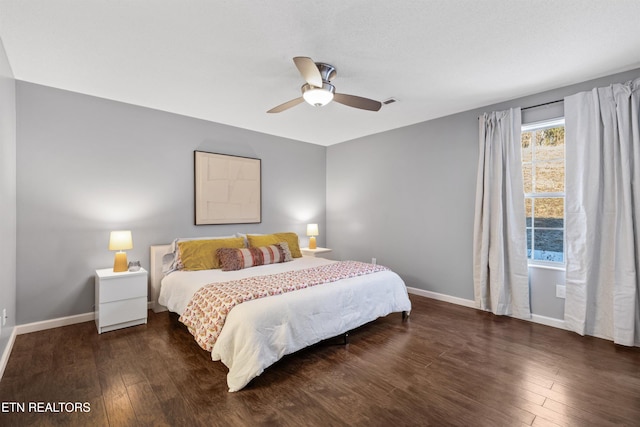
526 146
527 210
550 144
550 177
549 212
543 173
549 245
526 177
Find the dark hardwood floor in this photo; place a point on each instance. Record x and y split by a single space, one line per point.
448 365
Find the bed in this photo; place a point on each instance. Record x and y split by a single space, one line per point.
259 332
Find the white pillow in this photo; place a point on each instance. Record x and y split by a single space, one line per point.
244 236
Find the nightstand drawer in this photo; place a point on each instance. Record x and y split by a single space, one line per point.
126 287
122 311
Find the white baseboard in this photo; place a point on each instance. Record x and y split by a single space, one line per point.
54 323
549 321
7 352
535 318
442 297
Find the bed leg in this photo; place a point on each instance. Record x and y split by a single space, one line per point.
405 316
346 338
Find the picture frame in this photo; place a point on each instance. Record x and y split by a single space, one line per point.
227 189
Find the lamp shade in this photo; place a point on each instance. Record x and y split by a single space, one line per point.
120 240
312 229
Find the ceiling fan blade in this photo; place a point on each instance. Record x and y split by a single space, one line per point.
309 70
357 102
286 105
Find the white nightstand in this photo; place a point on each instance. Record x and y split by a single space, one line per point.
318 252
121 299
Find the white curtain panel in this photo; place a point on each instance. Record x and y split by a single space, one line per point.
500 274
603 212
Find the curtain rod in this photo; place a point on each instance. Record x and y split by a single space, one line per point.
539 105
542 105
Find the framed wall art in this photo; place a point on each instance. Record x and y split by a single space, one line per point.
227 189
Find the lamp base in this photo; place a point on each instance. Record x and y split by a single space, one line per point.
120 262
312 242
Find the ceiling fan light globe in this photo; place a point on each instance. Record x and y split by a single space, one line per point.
317 96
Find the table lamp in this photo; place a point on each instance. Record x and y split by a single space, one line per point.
120 241
312 230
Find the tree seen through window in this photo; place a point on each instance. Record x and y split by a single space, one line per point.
543 173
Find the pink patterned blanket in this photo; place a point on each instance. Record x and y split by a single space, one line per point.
208 309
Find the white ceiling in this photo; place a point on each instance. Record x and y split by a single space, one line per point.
230 61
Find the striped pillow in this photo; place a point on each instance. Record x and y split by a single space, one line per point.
237 259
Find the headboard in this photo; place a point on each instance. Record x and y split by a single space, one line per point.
155 275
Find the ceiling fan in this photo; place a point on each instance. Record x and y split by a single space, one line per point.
319 91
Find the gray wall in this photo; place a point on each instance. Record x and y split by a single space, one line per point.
7 198
406 197
86 166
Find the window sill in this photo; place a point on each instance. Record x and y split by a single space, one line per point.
547 266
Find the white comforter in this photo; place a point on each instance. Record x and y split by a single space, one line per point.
258 333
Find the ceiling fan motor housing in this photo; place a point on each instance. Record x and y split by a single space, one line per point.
327 71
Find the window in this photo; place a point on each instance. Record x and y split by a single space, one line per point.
543 173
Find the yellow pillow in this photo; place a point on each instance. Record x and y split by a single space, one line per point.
292 241
201 254
256 241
